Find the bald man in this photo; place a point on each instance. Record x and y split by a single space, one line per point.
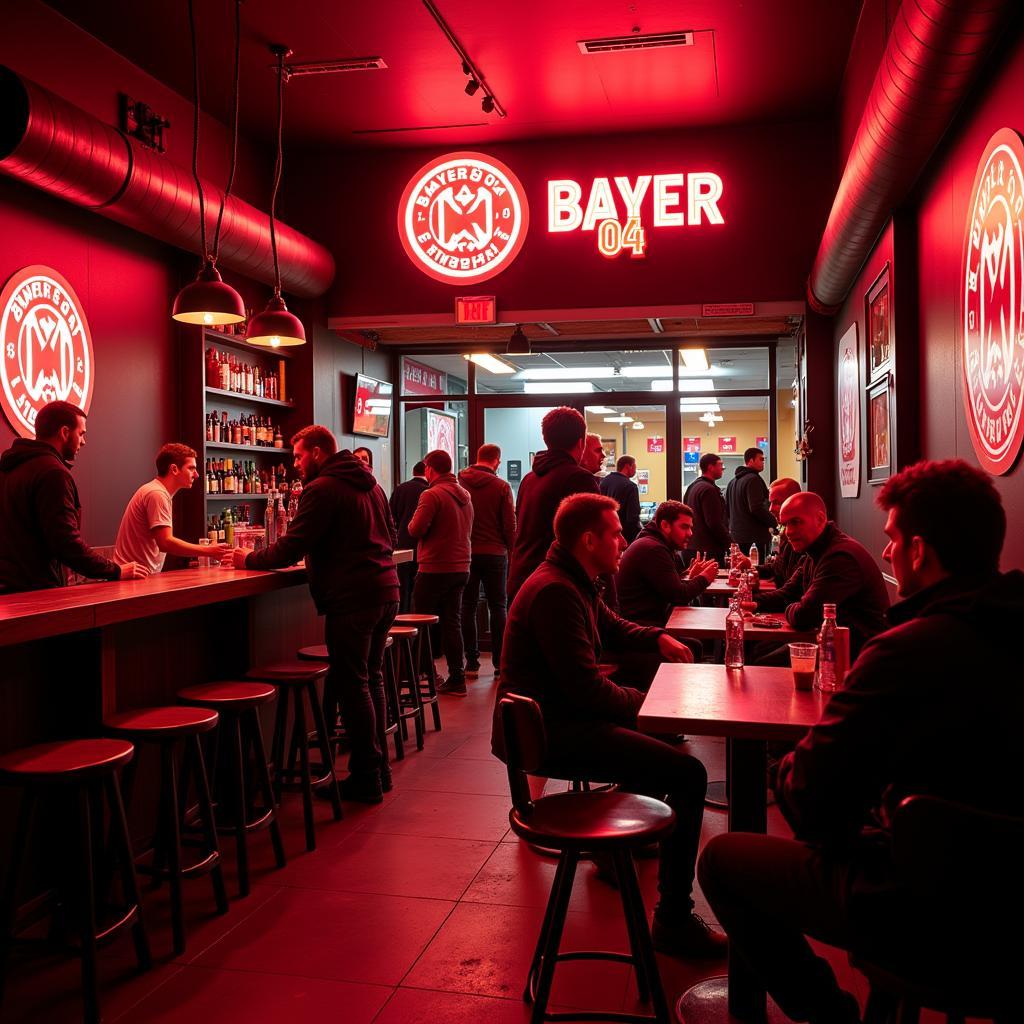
834 568
786 560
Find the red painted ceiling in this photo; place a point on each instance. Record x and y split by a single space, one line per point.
752 60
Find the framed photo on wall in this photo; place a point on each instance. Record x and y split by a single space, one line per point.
880 430
878 324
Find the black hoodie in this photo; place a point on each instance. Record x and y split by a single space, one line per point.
750 520
41 520
344 528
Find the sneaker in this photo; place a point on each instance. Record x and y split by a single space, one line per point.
363 789
454 686
472 667
690 937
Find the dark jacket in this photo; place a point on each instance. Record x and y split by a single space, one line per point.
403 503
785 564
840 570
40 522
619 486
555 475
710 518
494 514
344 528
652 580
750 521
557 628
442 525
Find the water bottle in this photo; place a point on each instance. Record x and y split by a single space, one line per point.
734 636
743 591
734 569
755 555
828 679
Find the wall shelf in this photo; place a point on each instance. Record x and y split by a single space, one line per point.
258 448
237 497
239 344
235 396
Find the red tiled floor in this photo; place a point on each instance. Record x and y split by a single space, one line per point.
418 1006
442 815
452 775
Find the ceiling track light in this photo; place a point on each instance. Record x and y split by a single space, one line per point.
471 86
519 343
487 104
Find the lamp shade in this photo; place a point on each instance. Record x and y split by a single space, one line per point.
275 327
208 301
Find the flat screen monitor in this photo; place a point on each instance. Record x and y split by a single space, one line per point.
371 407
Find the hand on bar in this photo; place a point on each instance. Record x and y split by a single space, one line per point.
234 558
133 571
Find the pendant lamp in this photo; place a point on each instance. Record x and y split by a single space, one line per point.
275 327
208 301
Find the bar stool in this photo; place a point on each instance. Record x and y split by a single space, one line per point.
411 706
425 654
163 727
241 737
297 681
88 769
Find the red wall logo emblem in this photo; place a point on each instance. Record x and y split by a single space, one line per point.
47 348
463 217
993 305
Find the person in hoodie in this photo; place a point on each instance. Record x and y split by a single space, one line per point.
404 499
750 520
442 526
710 514
40 514
556 474
619 485
494 533
344 529
932 705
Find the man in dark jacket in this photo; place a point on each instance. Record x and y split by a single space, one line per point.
494 533
344 528
710 516
404 500
558 628
556 474
40 514
750 521
620 486
931 706
786 560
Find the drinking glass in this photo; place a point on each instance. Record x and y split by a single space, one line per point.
802 659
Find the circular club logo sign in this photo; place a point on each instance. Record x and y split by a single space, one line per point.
993 305
463 217
47 348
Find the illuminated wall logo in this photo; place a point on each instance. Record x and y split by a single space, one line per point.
463 217
992 301
47 348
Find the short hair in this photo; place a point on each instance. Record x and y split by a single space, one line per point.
55 415
933 501
791 485
708 459
438 460
316 436
563 428
488 453
369 454
624 461
752 453
172 455
419 469
670 511
580 513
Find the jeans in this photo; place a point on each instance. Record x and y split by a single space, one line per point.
355 644
440 593
406 579
490 570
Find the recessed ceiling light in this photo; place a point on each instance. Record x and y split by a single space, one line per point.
694 359
491 363
575 387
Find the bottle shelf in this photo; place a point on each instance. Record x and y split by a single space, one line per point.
235 396
239 344
266 450
236 497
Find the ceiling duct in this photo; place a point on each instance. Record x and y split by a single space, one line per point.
653 41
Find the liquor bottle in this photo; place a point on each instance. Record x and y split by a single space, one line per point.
278 438
734 636
225 436
229 527
225 372
828 679
755 555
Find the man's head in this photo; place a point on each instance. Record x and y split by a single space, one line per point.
754 459
781 489
489 455
563 430
593 453
588 527
945 519
419 469
364 455
176 467
626 466
311 447
711 466
675 520
62 425
804 516
437 463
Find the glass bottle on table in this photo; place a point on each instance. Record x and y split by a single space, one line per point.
754 555
734 635
828 678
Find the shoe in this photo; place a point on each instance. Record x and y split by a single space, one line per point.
472 667
690 937
386 781
362 789
454 686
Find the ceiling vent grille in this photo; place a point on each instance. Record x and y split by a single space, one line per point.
654 41
334 67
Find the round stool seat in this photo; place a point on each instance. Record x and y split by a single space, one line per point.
69 761
317 652
594 820
227 696
288 672
416 619
402 632
156 723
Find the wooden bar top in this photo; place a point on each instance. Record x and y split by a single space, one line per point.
709 624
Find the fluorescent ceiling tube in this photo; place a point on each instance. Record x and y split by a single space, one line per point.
559 387
618 419
600 410
592 372
697 384
491 363
694 359
661 385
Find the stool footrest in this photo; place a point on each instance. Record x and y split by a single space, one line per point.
130 916
263 821
193 870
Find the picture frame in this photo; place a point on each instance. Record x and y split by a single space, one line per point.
879 424
878 326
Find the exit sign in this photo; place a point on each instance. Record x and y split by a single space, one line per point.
476 309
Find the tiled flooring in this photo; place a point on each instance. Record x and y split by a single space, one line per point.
424 909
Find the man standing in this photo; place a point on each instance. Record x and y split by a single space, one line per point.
40 514
592 458
747 499
621 486
344 528
145 534
494 533
556 474
404 500
442 525
710 516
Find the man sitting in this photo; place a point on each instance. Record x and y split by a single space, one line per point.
931 706
558 628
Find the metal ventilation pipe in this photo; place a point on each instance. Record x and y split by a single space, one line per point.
934 50
58 147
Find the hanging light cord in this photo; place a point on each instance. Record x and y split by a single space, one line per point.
234 130
277 170
195 129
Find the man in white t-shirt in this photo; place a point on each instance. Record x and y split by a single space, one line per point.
145 534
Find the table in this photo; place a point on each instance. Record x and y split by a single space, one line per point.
748 706
709 624
723 586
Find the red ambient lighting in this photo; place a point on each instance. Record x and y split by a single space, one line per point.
476 309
